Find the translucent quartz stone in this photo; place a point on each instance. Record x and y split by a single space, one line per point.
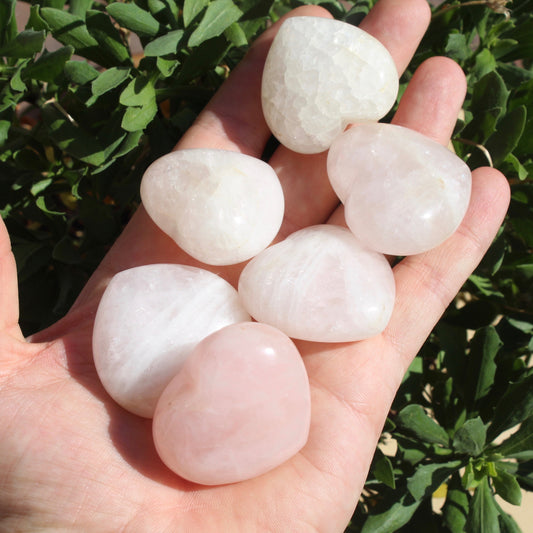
320 284
321 75
239 407
221 207
403 192
149 320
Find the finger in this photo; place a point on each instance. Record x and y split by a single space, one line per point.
399 25
233 119
362 378
309 198
426 283
433 99
9 304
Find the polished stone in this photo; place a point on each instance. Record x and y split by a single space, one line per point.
149 320
321 75
221 207
320 284
239 407
403 193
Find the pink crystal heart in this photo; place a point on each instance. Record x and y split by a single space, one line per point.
149 320
320 284
403 193
239 407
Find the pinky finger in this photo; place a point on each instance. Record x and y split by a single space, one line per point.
9 310
427 283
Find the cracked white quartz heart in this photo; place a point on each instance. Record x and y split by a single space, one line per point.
320 284
149 320
239 407
403 193
220 207
321 75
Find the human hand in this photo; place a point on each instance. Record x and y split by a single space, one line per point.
73 460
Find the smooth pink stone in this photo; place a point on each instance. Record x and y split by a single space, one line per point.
239 407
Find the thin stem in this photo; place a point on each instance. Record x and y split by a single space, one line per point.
486 153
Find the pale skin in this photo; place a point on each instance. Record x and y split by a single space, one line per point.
73 460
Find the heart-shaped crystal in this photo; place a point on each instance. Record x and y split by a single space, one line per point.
239 407
403 193
320 284
149 320
321 75
221 207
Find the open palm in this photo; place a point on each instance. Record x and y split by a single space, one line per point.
73 460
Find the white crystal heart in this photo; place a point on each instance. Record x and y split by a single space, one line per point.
239 407
149 320
403 193
320 284
221 207
321 75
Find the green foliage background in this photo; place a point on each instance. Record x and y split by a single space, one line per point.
76 136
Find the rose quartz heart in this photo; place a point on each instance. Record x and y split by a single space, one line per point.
320 284
149 320
403 193
239 407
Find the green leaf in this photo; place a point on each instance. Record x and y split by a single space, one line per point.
235 35
456 507
16 82
26 44
485 63
166 44
457 47
383 470
79 7
483 516
109 38
430 477
520 444
137 118
192 8
129 143
481 368
514 407
485 286
35 21
203 58
133 18
489 101
80 72
49 65
109 79
504 140
8 23
40 186
507 487
71 138
507 522
414 419
166 66
470 437
219 15
68 29
41 204
140 91
4 130
393 518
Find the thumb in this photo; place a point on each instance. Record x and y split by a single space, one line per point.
9 304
